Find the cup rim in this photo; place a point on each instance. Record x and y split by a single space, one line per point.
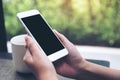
18 40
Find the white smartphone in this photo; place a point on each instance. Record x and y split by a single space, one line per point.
37 27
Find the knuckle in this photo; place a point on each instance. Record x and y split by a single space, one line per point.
30 44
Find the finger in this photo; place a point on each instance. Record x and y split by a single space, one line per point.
27 57
33 48
64 40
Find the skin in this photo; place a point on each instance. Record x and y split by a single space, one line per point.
72 66
38 62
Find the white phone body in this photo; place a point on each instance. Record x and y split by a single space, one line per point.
30 20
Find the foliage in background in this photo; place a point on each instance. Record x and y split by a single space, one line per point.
75 18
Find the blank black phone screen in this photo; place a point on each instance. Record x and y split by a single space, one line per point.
43 34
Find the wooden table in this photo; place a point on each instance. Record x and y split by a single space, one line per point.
7 71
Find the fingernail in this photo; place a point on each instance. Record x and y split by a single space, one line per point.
55 30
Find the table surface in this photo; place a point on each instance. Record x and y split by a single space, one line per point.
7 71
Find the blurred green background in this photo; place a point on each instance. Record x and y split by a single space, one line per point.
84 22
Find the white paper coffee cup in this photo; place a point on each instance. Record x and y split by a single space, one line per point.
18 52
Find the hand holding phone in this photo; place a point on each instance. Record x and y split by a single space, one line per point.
41 32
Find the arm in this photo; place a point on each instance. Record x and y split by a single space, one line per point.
96 72
75 66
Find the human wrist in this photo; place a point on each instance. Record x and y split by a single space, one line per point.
81 68
82 65
79 64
